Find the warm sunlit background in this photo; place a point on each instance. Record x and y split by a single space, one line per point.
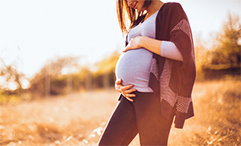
33 31
67 48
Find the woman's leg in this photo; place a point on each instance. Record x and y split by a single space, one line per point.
121 128
153 128
143 116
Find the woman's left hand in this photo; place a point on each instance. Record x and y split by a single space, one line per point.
135 43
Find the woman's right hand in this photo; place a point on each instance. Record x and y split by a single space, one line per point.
125 90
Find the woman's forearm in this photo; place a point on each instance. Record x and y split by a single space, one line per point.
164 48
150 44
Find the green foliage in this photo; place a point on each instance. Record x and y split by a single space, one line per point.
108 63
4 99
227 48
104 77
202 57
224 56
13 96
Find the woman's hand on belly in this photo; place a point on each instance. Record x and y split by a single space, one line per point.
135 43
150 44
125 90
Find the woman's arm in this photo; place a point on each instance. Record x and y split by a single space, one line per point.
144 42
164 48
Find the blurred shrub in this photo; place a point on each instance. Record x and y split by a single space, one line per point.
9 99
224 55
227 47
11 86
104 76
64 75
10 74
54 76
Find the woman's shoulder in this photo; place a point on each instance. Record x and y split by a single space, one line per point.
170 7
172 13
172 4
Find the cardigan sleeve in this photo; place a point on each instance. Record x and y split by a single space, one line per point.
169 50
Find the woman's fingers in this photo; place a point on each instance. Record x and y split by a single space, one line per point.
125 90
128 47
130 91
118 82
126 93
131 100
118 85
133 44
129 96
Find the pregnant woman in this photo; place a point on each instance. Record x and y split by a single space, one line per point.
155 73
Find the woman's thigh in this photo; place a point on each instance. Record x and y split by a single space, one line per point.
153 128
121 128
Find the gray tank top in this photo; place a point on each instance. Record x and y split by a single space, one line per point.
133 66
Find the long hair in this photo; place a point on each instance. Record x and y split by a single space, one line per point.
125 13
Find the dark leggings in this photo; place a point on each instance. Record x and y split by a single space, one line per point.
143 116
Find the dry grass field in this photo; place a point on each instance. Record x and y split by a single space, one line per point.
78 119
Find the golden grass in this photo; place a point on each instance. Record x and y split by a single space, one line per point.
217 118
79 118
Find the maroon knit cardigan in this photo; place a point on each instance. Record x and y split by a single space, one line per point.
173 80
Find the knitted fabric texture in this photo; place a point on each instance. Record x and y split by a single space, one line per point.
173 80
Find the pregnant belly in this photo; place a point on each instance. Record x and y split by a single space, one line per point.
133 67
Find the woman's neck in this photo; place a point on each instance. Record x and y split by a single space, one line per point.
154 7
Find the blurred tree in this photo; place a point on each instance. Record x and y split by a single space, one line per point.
64 74
108 63
82 80
104 77
88 81
55 77
10 74
227 47
201 53
61 65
